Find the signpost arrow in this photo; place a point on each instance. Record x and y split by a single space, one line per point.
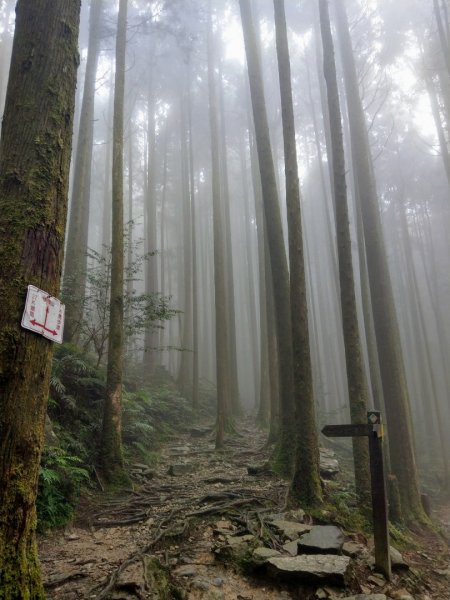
374 431
356 430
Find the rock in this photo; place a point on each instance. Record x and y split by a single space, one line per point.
297 515
397 560
401 595
329 467
326 539
214 595
443 572
72 537
217 581
237 547
180 450
180 469
185 571
311 567
366 597
353 549
291 548
377 579
259 469
51 439
157 578
200 583
262 554
321 594
200 431
291 529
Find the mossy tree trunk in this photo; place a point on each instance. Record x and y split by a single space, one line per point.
35 154
306 487
111 458
387 335
277 254
357 383
77 234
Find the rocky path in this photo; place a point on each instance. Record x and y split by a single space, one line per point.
200 526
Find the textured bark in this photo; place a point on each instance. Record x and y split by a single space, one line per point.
34 164
395 390
195 307
185 373
277 253
222 345
265 382
151 275
111 448
357 384
306 486
77 233
106 220
230 299
250 274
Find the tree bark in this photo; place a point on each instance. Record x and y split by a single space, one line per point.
35 154
357 384
280 274
395 389
111 448
222 345
306 486
74 283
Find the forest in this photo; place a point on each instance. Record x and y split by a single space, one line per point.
225 299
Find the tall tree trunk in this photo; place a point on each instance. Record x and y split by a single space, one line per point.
280 274
150 225
357 384
185 374
306 486
111 448
222 345
195 307
395 390
35 151
77 234
226 198
106 212
250 274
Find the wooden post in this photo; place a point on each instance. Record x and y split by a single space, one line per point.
374 431
379 495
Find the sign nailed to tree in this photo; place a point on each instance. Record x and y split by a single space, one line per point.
43 314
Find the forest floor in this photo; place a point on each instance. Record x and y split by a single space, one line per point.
173 536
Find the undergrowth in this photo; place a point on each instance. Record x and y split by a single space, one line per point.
150 416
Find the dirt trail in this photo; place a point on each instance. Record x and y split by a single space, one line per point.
176 514
191 482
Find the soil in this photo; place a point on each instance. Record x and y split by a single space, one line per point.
182 510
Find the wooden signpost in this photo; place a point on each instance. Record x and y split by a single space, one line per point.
373 430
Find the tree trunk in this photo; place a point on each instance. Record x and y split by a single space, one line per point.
74 283
222 345
35 154
357 384
150 225
385 319
195 307
280 275
306 487
230 299
111 447
185 373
